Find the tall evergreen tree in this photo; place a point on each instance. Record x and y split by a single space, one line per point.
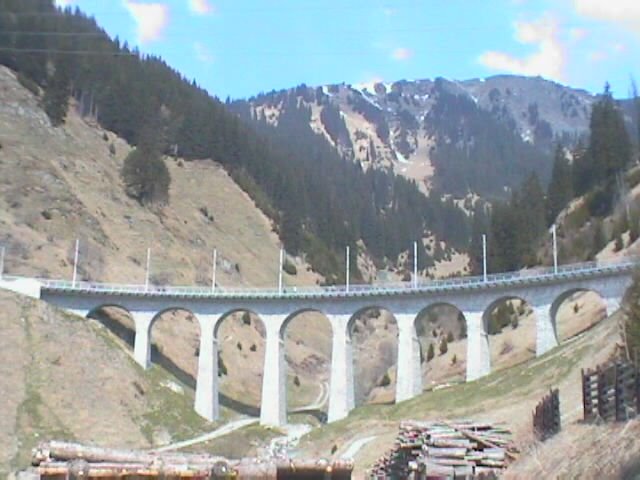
55 101
609 149
560 191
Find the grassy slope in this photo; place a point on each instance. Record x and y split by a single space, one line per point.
507 396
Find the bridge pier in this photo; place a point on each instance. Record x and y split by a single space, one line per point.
142 343
273 406
341 389
206 402
546 333
409 371
478 353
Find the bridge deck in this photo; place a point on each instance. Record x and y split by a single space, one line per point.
523 277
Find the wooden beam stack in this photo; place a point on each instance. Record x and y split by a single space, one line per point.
70 461
462 449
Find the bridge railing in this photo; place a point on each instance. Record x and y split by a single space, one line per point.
527 275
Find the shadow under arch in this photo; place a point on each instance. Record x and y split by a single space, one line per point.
510 324
311 362
249 318
568 314
373 333
167 361
125 331
441 328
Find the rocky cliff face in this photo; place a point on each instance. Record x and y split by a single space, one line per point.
410 127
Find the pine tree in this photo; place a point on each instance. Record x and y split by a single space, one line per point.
146 177
55 101
609 149
560 190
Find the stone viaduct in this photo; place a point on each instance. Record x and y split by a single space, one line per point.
543 289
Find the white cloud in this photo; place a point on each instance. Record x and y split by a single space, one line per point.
151 19
200 7
64 3
401 54
549 59
625 13
203 53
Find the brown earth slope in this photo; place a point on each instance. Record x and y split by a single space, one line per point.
65 377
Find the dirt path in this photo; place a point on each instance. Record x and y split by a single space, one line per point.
224 430
355 447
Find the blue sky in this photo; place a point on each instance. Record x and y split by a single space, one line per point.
239 48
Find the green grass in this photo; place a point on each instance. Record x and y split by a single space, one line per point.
170 410
466 398
239 443
35 420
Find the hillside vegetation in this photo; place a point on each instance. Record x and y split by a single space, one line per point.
316 200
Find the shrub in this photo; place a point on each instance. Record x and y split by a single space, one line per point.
444 346
289 268
619 245
146 177
430 352
239 345
222 368
454 360
246 318
450 337
253 347
296 381
386 381
112 149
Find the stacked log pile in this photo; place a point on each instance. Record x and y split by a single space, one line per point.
462 449
70 461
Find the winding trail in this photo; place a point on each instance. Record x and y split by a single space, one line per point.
224 430
320 401
355 447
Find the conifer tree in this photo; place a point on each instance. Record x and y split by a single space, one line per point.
560 190
57 93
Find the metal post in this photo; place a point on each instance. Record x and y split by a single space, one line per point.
75 264
415 264
146 279
1 262
347 270
215 266
555 249
280 271
484 257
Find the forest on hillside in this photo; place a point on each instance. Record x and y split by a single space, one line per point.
319 202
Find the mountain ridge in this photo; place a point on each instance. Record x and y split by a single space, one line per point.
391 125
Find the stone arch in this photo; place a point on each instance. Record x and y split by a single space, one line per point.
374 373
117 319
449 324
510 325
576 310
308 367
175 343
240 362
230 313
